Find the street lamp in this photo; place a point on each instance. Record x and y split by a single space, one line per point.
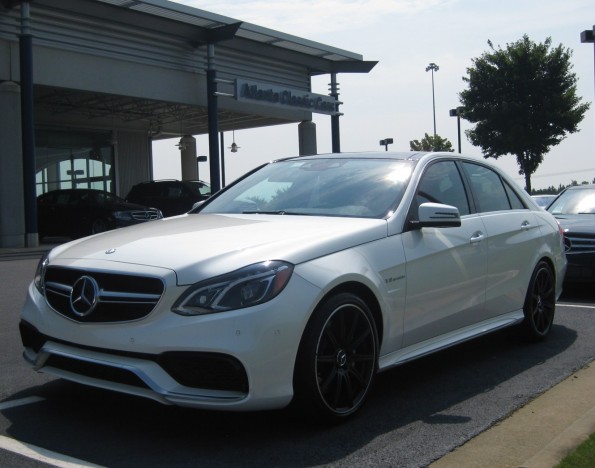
386 142
457 113
199 159
588 36
432 67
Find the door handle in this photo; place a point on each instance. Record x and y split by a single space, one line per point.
476 237
525 226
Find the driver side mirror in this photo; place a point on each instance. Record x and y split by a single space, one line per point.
437 215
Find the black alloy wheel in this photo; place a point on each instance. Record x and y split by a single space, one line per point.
337 360
540 303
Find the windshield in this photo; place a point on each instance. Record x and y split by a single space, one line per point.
581 201
368 188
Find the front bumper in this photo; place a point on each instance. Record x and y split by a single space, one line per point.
240 360
580 268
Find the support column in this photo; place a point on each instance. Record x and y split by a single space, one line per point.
307 138
188 155
335 128
12 207
28 127
213 108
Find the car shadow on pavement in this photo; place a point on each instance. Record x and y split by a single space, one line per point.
411 414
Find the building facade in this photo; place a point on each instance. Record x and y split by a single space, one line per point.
87 85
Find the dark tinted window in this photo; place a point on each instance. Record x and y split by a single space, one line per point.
488 189
515 200
442 183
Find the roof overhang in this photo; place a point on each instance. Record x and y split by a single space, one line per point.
199 27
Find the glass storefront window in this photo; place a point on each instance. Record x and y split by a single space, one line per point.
73 160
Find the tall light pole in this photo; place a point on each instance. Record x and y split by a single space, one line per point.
432 67
587 37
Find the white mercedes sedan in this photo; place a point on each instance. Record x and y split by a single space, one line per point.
298 283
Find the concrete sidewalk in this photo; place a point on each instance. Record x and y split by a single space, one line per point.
538 435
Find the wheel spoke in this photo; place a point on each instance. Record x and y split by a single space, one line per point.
365 333
328 380
348 391
338 390
330 335
362 357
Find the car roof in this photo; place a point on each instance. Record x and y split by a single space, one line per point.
399 155
582 186
77 190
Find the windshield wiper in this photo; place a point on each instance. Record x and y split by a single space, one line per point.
276 212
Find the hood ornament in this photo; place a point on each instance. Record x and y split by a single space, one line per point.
110 251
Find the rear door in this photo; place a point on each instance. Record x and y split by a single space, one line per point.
513 237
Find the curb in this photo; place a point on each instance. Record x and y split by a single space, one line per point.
20 253
538 435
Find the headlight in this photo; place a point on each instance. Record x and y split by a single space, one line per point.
122 215
245 287
40 272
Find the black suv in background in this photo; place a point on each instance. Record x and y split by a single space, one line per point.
172 197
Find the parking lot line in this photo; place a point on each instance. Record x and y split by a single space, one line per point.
42 455
578 306
20 402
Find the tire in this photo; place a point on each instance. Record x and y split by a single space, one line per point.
540 303
337 359
99 225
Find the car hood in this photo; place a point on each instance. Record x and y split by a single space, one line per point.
200 246
583 223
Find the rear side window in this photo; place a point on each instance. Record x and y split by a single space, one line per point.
515 200
488 188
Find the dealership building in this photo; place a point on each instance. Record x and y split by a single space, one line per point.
87 85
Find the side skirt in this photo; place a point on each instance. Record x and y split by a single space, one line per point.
450 339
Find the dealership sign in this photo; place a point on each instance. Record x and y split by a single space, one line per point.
280 96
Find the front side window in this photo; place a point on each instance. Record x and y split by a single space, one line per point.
368 188
442 183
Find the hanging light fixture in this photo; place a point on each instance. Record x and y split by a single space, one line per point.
181 145
234 148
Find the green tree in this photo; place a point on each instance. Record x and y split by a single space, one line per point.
523 101
431 143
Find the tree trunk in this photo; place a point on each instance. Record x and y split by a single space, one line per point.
528 182
521 160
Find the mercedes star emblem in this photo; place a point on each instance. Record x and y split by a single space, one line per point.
84 296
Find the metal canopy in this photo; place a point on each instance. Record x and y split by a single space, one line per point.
197 28
194 25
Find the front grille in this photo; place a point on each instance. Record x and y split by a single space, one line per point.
145 215
120 297
578 243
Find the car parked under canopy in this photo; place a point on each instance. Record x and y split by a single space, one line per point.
298 283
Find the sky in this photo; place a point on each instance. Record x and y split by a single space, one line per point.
394 100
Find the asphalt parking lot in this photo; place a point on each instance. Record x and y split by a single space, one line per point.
417 413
